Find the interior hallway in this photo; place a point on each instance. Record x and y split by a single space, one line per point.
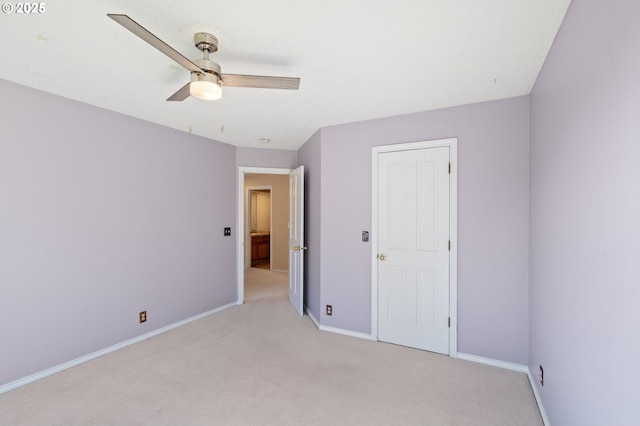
264 284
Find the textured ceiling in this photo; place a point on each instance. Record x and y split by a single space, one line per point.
357 59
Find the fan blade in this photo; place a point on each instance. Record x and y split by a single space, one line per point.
147 36
181 94
260 81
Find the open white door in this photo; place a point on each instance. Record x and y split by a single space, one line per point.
296 239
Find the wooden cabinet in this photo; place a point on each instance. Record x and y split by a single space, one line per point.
260 249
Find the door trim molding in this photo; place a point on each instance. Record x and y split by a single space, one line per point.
240 221
452 143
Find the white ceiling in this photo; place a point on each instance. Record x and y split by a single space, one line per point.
357 59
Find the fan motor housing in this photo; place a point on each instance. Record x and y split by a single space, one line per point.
209 66
206 42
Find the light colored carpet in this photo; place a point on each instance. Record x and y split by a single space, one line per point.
261 363
261 284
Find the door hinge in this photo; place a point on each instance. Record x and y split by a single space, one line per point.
449 245
449 322
449 168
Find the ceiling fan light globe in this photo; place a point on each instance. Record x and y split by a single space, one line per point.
205 90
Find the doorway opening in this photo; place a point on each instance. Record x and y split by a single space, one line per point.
260 226
275 239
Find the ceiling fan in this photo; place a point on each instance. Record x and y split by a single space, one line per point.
207 78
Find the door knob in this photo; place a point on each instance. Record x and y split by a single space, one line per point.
382 256
298 248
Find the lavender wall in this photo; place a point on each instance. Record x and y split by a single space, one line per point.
585 212
272 158
103 216
310 156
492 220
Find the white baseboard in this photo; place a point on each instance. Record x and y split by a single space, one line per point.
349 333
494 362
515 367
543 412
58 368
336 330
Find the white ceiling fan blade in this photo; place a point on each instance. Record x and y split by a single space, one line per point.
147 36
181 94
260 81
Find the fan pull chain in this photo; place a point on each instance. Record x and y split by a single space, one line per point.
222 115
190 116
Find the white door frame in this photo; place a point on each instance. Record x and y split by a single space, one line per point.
247 224
240 221
452 143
